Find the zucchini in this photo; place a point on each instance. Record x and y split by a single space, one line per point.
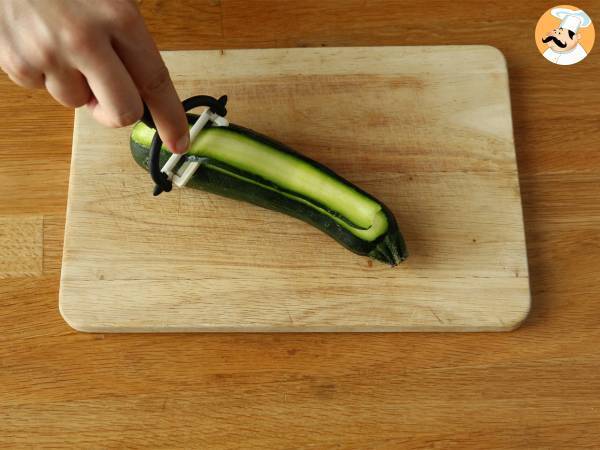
242 164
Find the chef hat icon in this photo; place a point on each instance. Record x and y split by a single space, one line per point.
571 19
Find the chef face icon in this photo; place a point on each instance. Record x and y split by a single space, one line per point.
565 35
561 40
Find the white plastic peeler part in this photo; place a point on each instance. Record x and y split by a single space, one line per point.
220 121
187 170
170 164
199 124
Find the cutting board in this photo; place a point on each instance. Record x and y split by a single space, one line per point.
425 129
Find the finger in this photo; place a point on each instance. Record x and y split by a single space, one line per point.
16 66
69 87
148 71
24 75
117 101
29 83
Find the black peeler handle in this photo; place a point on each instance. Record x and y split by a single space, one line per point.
161 181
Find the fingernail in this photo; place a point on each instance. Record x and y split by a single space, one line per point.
182 144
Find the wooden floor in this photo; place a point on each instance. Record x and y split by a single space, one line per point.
537 387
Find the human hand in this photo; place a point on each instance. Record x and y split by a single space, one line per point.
94 53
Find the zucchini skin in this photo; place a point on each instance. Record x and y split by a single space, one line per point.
389 248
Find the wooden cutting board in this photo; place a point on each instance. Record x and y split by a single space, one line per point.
425 129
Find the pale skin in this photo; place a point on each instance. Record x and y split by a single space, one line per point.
95 54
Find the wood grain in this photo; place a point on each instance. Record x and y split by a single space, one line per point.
536 387
434 142
21 246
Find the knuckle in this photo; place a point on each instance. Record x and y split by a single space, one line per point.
75 101
20 70
82 100
126 118
123 15
45 57
157 83
15 65
79 40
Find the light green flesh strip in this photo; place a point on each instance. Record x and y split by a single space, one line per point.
287 171
379 222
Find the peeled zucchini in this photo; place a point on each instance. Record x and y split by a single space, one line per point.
242 164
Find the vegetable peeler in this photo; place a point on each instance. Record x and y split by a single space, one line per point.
169 174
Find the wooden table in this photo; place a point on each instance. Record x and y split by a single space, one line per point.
537 387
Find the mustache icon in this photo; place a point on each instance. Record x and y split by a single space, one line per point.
555 40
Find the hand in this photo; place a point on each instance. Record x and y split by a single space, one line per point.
96 53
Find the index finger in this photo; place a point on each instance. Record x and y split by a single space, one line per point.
148 71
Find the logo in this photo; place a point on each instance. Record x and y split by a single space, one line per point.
565 35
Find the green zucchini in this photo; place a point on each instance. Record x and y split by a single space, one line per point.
242 164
